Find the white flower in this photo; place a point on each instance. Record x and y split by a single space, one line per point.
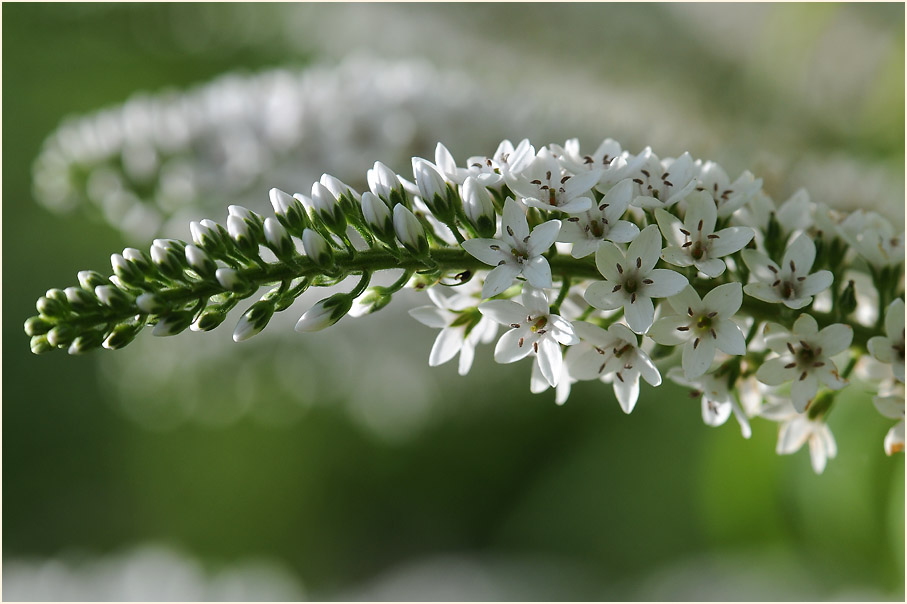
791 283
462 328
805 358
534 331
409 230
717 400
447 166
695 242
874 237
728 197
586 231
631 279
608 159
542 184
519 252
797 429
490 171
382 181
795 214
889 348
538 383
662 183
703 325
614 356
891 404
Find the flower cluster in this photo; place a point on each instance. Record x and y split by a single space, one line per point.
671 262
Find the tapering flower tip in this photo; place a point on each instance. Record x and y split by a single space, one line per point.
278 239
168 260
447 165
383 182
85 342
254 320
432 188
325 313
339 189
479 207
208 235
255 221
40 345
61 335
126 271
37 326
113 297
138 258
378 215
53 305
172 324
317 249
80 299
199 261
209 318
327 209
121 335
409 231
373 300
289 211
91 279
231 280
151 304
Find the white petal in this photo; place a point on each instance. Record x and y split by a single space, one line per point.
802 391
828 375
646 247
730 339
579 184
535 300
622 232
834 339
647 369
685 300
665 332
467 354
715 413
724 299
627 391
774 373
762 291
593 334
676 256
538 272
815 283
505 312
806 326
575 206
759 264
601 295
431 316
446 346
588 366
697 357
508 349
607 258
803 253
584 247
890 406
894 320
730 240
741 419
618 199
713 267
537 381
670 227
793 435
817 453
665 282
482 250
639 314
701 210
499 279
894 439
562 330
543 237
515 218
550 358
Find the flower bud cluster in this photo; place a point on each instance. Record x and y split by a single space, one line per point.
607 266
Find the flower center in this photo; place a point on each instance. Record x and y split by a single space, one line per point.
631 285
539 325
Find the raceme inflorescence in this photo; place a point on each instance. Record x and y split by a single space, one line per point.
599 266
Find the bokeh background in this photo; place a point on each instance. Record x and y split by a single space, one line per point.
338 465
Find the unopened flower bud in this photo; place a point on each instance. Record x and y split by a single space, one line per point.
383 182
325 313
113 297
122 334
86 341
378 216
40 345
200 262
37 326
327 209
317 249
172 324
433 189
231 280
80 299
479 207
278 239
91 279
289 211
151 304
254 320
409 231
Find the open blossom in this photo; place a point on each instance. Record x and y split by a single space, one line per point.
874 237
488 171
662 183
718 402
728 196
890 403
519 252
542 184
889 349
631 279
805 358
695 241
797 429
608 160
587 230
462 328
791 283
703 326
534 332
614 356
538 383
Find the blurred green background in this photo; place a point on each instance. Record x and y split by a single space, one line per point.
342 463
